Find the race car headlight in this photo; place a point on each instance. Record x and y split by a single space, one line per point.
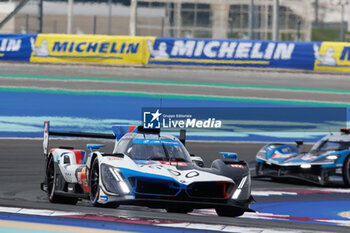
305 165
261 154
332 157
328 159
113 180
243 189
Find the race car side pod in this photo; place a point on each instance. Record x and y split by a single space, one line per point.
183 136
47 132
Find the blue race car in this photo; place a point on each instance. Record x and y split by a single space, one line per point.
328 161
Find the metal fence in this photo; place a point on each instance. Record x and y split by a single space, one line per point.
220 19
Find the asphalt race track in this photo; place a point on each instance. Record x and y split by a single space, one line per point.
324 88
281 205
21 171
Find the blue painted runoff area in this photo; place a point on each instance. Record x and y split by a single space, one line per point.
23 113
100 106
317 209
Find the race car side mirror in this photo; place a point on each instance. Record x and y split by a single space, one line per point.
93 147
197 160
299 143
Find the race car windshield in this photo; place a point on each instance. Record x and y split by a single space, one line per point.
328 145
154 149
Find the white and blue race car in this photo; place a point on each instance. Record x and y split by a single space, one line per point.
147 169
328 161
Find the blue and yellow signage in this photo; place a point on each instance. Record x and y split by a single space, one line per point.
62 48
211 52
15 47
332 56
88 48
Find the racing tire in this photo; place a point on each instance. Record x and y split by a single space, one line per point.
94 184
346 171
228 211
51 178
179 210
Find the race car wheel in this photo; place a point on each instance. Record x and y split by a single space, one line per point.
95 186
179 210
51 178
227 211
94 182
346 171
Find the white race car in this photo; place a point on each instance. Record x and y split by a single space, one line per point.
145 168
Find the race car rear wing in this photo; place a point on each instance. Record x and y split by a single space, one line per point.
118 132
48 133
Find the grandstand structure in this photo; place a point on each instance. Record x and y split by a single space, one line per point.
224 19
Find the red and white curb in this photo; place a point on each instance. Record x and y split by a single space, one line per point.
267 193
40 212
145 221
270 216
224 228
294 192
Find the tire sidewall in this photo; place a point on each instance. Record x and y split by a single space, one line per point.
227 211
346 171
95 199
51 196
181 210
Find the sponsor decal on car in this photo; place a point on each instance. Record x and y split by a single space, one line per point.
114 158
279 155
177 164
308 157
82 180
104 198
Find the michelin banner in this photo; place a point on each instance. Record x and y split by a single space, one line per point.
209 52
15 47
59 48
332 56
